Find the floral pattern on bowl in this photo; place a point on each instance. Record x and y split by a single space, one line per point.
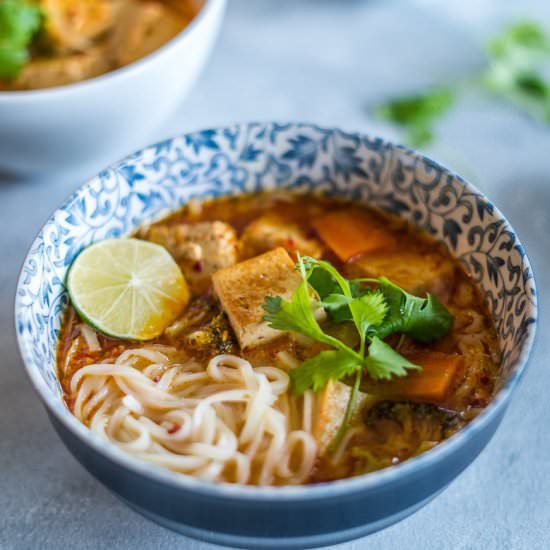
255 157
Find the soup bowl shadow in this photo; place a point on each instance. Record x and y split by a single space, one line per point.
303 158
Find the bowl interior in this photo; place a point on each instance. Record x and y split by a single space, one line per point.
259 157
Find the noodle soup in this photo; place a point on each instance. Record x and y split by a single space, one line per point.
391 354
68 41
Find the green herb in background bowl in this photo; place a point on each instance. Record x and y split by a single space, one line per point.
19 23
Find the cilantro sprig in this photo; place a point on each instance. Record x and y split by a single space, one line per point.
297 315
423 319
19 22
518 61
375 312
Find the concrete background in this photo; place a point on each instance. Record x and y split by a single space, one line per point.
322 61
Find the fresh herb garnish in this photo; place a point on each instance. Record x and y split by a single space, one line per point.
385 362
316 372
330 294
416 113
423 319
19 22
297 315
375 313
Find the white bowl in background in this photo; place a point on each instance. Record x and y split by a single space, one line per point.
90 124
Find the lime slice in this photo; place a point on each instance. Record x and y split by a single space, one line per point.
127 288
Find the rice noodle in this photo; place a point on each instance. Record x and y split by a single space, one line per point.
229 422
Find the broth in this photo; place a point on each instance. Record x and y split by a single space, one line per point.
394 421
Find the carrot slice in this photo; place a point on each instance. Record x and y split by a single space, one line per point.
351 232
431 384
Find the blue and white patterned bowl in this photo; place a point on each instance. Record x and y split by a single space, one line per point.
253 157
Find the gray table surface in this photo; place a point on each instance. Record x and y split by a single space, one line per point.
323 61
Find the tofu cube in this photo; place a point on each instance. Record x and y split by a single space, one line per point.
242 288
416 273
331 406
271 231
143 28
48 72
73 25
200 249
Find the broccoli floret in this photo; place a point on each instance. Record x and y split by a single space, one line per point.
412 421
393 432
216 337
396 431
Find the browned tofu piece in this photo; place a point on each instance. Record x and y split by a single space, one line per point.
186 8
200 249
271 231
142 28
242 288
416 273
331 406
49 72
72 25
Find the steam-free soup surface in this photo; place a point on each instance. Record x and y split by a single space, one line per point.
213 395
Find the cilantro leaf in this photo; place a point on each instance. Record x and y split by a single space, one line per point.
524 34
19 22
337 306
339 282
518 59
416 113
383 361
11 60
323 282
424 319
368 311
335 303
297 315
533 85
427 319
314 373
294 316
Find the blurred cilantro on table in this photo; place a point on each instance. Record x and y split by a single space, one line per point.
19 22
417 113
517 59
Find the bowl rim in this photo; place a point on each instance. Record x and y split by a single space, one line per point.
330 489
140 65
